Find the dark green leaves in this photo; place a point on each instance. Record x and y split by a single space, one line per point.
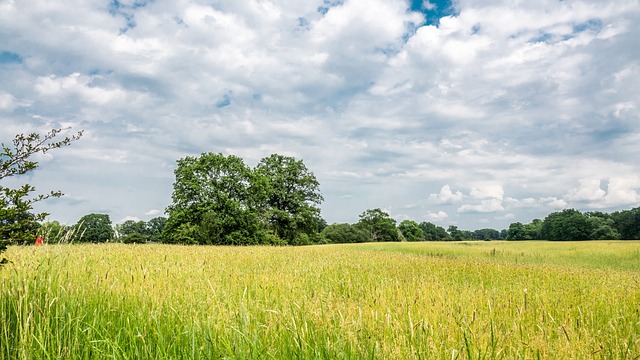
17 223
217 199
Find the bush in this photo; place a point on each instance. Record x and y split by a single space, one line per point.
135 238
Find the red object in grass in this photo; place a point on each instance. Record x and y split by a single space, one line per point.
38 241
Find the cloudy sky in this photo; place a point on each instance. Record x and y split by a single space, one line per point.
476 113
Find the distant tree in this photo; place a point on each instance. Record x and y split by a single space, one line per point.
516 231
95 228
322 223
433 232
455 233
532 230
292 198
135 238
155 227
53 231
411 230
565 225
602 228
129 227
214 202
17 222
344 233
378 225
627 223
486 234
217 199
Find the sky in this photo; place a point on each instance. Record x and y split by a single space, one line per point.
473 113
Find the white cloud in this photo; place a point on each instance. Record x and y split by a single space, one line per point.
7 101
553 203
485 206
515 114
437 216
589 190
623 191
487 191
445 196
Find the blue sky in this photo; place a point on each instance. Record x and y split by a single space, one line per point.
469 113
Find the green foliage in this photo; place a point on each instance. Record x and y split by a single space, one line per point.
455 233
218 200
155 227
432 232
17 223
213 200
627 223
411 231
52 231
132 227
378 225
516 231
565 225
602 227
292 194
344 233
486 234
94 228
135 238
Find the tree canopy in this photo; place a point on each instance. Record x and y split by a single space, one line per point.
378 225
217 199
17 222
94 228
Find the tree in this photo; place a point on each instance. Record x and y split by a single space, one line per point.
17 223
215 199
602 228
130 227
433 232
455 233
532 230
53 231
486 234
378 225
95 228
155 227
411 230
292 194
565 225
344 233
516 231
135 238
627 223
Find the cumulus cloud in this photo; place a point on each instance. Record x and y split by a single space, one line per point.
485 206
7 101
437 216
589 190
382 101
445 196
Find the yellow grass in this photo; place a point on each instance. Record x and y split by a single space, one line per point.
389 301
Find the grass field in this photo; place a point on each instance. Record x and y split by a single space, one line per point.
384 301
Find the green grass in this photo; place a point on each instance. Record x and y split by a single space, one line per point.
387 301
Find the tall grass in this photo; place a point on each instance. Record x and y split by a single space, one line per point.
388 301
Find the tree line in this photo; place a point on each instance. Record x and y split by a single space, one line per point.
374 225
218 200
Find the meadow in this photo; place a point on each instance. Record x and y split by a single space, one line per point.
459 300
